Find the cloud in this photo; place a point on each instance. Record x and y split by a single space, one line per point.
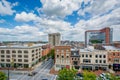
99 7
6 8
25 17
24 32
2 20
59 8
104 13
111 20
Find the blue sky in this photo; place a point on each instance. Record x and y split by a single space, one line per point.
24 20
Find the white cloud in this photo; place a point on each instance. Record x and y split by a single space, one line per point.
109 20
99 7
59 8
2 20
24 32
6 8
25 17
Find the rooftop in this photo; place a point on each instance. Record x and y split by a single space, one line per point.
111 48
19 45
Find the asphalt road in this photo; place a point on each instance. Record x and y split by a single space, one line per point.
42 73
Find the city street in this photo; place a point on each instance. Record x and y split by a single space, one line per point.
42 73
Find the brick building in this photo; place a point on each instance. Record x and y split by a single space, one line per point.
45 49
62 57
113 57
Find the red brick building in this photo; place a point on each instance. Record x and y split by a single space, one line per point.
45 49
114 59
62 57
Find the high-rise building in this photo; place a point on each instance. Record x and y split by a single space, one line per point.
54 39
102 36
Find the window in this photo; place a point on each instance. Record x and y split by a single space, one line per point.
67 56
104 56
8 60
72 58
96 56
2 56
26 51
32 59
96 61
100 56
86 61
19 51
62 56
25 56
2 51
36 49
25 60
7 56
2 60
90 56
13 55
19 56
109 59
14 59
32 55
13 51
82 55
19 60
100 61
8 52
32 51
116 60
104 61
113 54
86 55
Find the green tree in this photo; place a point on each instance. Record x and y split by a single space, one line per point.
87 75
2 76
67 74
52 53
111 76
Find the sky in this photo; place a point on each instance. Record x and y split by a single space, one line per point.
33 20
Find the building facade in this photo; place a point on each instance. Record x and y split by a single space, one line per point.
103 36
75 58
62 57
45 49
93 60
54 39
114 58
22 56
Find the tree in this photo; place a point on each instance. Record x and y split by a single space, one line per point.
87 75
2 76
52 53
67 74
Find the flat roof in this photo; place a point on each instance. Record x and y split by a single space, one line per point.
21 46
111 48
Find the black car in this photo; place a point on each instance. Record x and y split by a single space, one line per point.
32 73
